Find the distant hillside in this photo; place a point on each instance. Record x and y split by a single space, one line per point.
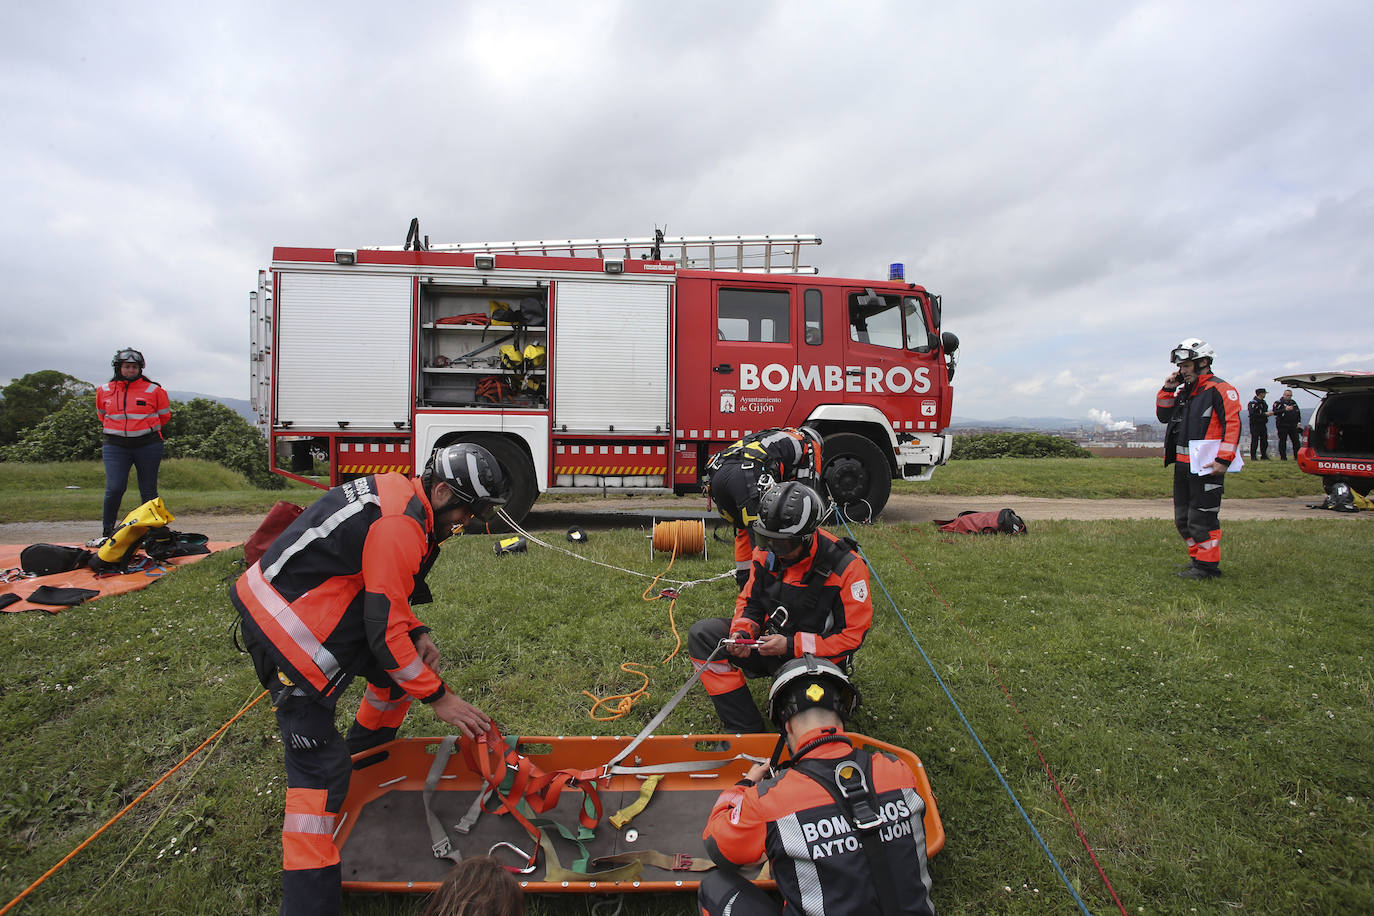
238 405
1025 423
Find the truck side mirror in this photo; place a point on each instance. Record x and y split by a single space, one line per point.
950 340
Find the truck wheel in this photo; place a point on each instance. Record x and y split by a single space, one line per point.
519 470
857 475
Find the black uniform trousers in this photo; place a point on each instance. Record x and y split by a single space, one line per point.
1259 438
725 891
1287 434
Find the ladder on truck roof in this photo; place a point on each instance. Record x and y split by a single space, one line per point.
744 253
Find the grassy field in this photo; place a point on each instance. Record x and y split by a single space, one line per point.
1214 739
74 490
1102 478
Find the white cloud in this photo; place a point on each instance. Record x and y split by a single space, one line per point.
1085 184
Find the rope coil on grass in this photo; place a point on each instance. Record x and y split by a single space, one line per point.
681 537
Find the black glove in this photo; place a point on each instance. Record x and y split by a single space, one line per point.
741 577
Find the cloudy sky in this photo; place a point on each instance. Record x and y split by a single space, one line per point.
1086 183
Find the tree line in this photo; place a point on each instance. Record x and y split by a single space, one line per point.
50 416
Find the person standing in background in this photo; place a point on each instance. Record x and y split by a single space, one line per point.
1287 419
1198 408
1259 412
133 410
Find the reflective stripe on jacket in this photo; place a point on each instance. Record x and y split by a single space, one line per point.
827 618
1210 409
332 593
817 858
132 409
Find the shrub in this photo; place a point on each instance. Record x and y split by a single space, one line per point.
200 428
1016 445
72 433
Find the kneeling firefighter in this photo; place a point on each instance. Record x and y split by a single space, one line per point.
330 599
743 471
807 594
843 829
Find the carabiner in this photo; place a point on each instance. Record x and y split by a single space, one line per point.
518 851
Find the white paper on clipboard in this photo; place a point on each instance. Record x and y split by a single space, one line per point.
1202 452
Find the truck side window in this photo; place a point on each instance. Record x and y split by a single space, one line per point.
755 315
877 320
811 318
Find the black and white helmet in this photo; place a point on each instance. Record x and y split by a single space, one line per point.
806 682
1192 348
473 474
790 511
127 355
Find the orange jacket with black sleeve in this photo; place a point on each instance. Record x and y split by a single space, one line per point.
815 851
825 594
331 596
132 410
1207 409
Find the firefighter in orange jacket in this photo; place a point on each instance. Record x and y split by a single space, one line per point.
807 594
843 829
740 473
133 410
1198 407
330 599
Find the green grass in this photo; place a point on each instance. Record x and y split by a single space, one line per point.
63 491
1102 478
1213 738
38 492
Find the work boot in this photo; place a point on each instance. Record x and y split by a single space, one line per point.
1200 572
738 713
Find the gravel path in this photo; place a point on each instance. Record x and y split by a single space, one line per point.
614 511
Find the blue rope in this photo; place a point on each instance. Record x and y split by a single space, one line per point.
976 740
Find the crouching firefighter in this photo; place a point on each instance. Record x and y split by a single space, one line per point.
743 471
843 829
807 594
330 599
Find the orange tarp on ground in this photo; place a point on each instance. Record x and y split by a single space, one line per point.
85 578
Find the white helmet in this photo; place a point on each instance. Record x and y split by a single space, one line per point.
1192 348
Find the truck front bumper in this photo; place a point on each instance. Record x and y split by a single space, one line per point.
918 458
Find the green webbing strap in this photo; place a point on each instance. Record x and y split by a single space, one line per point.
578 871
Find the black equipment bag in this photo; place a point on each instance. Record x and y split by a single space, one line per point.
164 544
47 559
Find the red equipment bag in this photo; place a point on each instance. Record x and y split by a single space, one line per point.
995 522
278 519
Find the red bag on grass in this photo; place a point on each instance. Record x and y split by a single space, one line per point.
278 519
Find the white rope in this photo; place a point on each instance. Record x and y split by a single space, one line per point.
501 513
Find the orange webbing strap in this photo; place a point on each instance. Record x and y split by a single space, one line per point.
125 810
490 757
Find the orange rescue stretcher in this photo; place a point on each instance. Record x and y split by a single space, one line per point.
557 818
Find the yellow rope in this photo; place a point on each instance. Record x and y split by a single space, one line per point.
677 537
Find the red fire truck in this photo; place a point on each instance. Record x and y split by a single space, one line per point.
586 363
